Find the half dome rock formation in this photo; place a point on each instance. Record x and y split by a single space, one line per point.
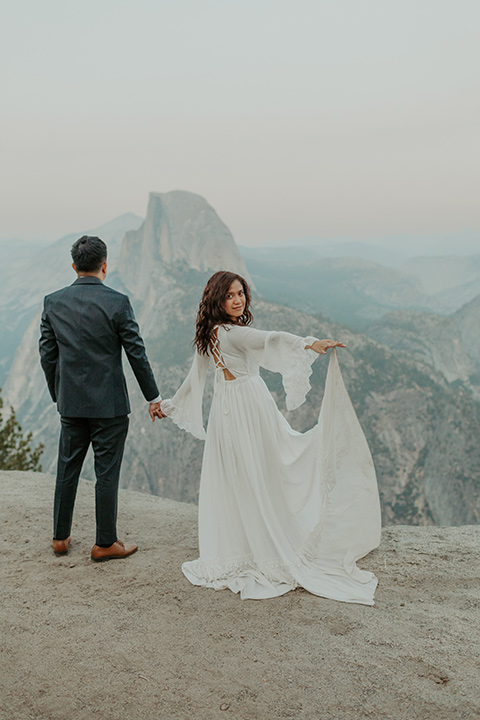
181 232
133 639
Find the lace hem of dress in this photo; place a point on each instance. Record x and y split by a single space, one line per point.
214 572
174 415
296 379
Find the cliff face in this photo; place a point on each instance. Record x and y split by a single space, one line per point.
181 233
450 344
423 431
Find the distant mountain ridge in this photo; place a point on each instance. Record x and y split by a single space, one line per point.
355 291
388 250
299 251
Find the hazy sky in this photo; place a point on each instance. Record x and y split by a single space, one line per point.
330 118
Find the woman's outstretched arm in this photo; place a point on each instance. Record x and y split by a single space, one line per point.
278 351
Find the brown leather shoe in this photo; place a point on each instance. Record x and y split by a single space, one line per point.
60 547
115 551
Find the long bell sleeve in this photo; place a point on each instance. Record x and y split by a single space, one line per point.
280 352
185 407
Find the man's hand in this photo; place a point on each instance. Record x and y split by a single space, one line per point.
155 412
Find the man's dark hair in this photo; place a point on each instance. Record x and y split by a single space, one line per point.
89 254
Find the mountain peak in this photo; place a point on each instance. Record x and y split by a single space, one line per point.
181 229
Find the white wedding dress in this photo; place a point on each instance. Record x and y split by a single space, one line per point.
278 509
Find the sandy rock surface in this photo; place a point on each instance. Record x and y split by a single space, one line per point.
133 640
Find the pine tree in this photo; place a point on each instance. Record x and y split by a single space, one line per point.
16 452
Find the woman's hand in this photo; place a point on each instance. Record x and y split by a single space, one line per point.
321 346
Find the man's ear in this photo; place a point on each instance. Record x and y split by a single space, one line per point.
104 267
73 266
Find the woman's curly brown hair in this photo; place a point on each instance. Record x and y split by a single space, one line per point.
211 311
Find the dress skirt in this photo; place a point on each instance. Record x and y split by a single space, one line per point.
279 509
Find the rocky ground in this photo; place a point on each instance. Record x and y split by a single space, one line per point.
133 640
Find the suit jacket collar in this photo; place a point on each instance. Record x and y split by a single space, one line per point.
89 280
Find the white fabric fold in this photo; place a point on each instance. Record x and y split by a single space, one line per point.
185 408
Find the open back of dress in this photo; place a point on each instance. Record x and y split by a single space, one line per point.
218 360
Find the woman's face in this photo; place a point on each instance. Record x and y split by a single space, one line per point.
235 300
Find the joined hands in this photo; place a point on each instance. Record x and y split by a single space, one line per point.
155 411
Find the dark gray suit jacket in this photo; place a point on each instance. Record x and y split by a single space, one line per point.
84 327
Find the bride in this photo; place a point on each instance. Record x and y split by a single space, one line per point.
278 509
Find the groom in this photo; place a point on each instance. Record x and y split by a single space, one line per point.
83 330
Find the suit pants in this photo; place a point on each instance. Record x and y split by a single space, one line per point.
107 437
